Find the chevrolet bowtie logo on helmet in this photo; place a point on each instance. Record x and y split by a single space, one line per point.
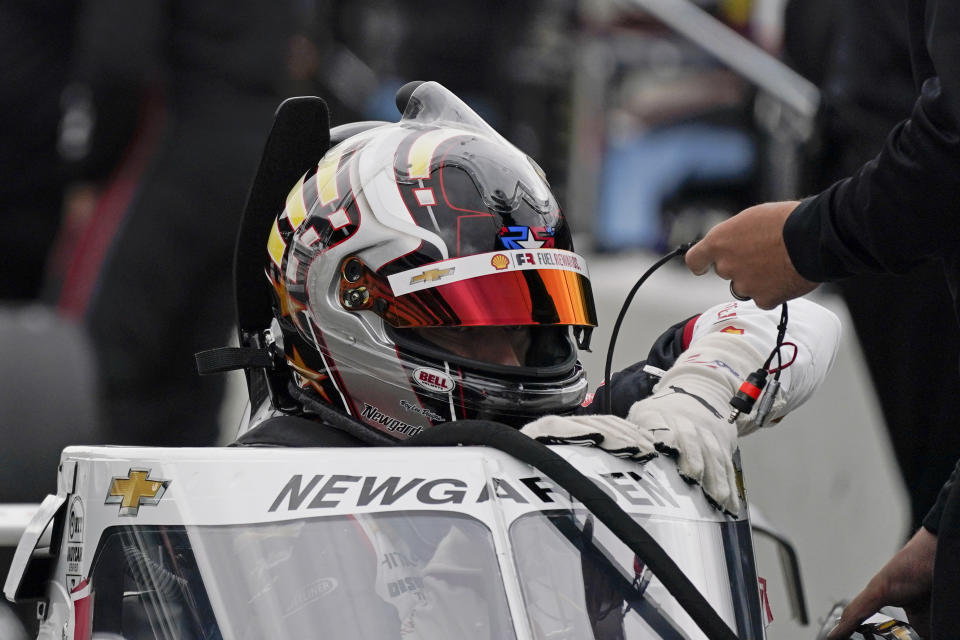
134 490
431 275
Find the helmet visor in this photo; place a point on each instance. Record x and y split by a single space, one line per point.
544 287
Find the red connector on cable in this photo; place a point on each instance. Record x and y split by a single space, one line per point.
748 393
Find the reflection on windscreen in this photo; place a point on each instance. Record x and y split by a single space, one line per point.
410 575
580 582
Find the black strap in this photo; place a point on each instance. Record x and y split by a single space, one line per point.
606 510
224 359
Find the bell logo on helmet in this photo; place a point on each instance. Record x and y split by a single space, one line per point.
433 379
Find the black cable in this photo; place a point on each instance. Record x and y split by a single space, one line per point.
750 389
606 404
781 333
605 508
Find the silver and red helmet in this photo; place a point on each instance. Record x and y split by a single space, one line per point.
423 272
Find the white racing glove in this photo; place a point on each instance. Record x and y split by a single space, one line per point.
686 416
611 433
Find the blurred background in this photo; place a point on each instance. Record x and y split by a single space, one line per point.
131 132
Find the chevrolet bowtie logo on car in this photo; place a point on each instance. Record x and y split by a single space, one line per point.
431 275
135 490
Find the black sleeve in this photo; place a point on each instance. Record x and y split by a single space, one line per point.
900 208
633 383
932 521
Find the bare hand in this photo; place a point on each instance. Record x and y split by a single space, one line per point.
748 250
905 581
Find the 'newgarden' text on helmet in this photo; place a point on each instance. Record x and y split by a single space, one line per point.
423 273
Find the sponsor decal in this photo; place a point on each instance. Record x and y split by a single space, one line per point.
765 602
311 593
76 525
336 491
397 559
412 408
734 330
373 414
75 521
431 275
694 358
726 312
433 379
74 560
411 584
135 490
527 237
482 264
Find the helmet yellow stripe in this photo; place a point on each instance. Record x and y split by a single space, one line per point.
421 151
275 244
296 210
326 177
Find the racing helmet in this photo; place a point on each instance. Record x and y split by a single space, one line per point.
422 272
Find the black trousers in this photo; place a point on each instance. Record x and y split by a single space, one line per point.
945 602
910 342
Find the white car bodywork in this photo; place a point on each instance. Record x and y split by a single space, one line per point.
218 497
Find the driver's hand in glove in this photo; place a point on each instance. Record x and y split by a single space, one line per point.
685 416
611 433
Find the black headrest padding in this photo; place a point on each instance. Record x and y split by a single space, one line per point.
403 94
299 138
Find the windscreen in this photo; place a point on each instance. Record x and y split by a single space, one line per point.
411 575
579 581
